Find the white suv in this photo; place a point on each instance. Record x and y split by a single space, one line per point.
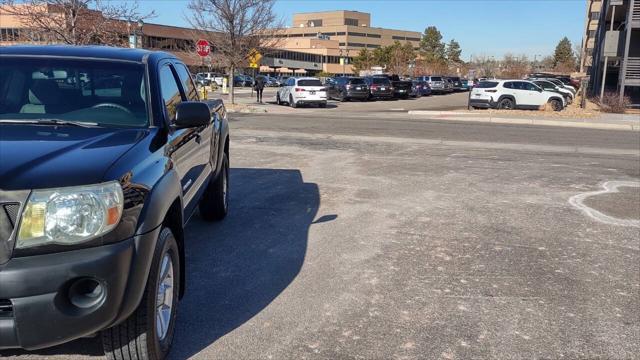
304 90
513 94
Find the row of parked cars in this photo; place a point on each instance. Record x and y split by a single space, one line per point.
239 80
296 91
533 93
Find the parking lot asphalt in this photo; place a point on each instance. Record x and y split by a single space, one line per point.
453 101
395 238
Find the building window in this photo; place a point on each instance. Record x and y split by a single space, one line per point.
372 46
595 15
341 33
329 34
356 44
592 33
377 36
357 34
352 22
311 35
314 23
413 39
295 35
341 44
399 38
9 34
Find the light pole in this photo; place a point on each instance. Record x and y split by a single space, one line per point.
344 61
535 62
135 39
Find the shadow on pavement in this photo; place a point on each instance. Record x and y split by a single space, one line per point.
237 267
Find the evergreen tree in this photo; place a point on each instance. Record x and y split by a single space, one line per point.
363 61
453 52
431 45
563 56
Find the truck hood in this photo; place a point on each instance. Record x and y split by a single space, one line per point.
36 157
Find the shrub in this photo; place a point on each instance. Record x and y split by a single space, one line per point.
611 103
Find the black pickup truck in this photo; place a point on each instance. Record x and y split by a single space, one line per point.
401 88
105 154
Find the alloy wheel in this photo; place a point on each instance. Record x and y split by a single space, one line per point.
164 297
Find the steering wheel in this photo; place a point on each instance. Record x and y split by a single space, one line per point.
111 105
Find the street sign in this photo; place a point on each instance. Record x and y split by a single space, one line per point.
203 48
254 59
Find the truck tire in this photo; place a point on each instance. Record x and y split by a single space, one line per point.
215 201
148 332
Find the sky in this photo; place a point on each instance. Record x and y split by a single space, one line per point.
482 27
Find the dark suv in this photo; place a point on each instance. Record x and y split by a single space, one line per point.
347 88
105 155
379 87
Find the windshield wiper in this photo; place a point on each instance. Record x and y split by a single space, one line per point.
51 122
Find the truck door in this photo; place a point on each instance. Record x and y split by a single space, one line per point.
186 145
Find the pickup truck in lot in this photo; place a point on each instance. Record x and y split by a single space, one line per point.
105 154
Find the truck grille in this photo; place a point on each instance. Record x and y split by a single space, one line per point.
6 308
8 215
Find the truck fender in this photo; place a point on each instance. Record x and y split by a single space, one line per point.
224 136
158 203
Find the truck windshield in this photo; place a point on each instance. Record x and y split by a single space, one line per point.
107 93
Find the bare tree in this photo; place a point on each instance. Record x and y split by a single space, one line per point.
75 22
514 67
235 28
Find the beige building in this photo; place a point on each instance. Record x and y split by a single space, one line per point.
327 41
351 29
592 19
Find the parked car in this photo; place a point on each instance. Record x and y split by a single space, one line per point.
345 88
550 86
513 94
561 84
425 90
466 84
416 89
282 79
96 192
239 80
448 85
201 80
456 82
271 81
302 91
213 77
248 81
379 87
436 83
565 79
401 88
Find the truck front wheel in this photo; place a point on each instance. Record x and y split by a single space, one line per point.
215 201
148 332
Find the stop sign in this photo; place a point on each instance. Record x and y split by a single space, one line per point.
203 48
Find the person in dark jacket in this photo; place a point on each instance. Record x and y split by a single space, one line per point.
259 87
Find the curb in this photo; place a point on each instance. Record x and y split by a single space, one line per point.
443 115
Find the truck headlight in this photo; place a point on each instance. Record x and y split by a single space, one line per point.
68 216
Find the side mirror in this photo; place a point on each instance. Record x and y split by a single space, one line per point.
191 114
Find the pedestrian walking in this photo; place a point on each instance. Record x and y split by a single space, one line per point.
259 87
